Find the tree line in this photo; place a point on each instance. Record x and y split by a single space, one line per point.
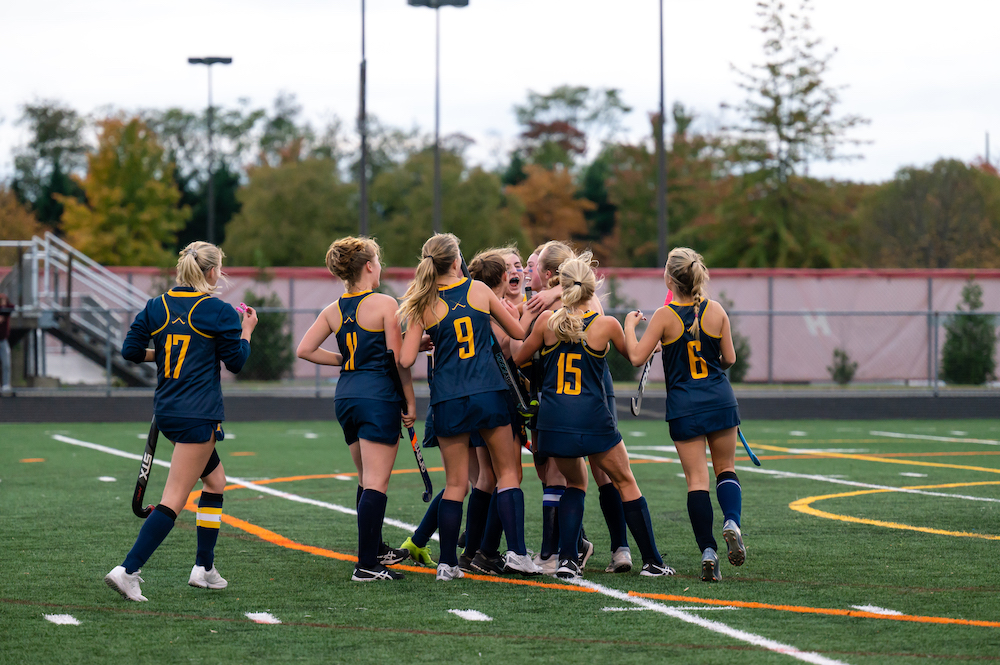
740 194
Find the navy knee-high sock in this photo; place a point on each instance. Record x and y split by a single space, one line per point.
551 496
371 512
449 524
614 515
570 523
490 544
510 505
357 499
429 524
730 495
153 531
639 523
475 520
209 521
700 512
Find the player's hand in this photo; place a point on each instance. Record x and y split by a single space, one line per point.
633 318
426 343
249 320
410 416
542 300
509 307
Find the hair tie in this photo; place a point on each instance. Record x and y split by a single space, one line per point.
578 283
193 252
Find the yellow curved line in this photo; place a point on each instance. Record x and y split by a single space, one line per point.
872 458
804 506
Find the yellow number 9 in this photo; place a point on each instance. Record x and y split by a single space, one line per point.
699 368
463 332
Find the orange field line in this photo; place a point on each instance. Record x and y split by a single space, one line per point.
282 541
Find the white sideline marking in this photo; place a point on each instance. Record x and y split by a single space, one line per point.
63 619
343 478
796 432
311 435
637 434
931 437
658 449
877 610
908 474
956 432
670 607
262 617
827 479
107 479
714 626
263 489
471 615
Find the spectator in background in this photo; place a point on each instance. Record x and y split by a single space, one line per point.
6 307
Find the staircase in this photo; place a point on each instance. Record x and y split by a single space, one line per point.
63 292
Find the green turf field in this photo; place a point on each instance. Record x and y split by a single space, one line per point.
839 569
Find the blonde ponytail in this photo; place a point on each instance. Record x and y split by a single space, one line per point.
194 261
437 256
687 269
576 276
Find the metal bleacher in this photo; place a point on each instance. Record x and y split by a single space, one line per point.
59 291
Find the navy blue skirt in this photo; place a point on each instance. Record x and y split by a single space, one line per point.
189 430
369 419
706 422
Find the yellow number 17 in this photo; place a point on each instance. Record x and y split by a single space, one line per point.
172 341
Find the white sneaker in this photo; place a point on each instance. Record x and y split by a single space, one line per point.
734 543
548 564
207 579
522 563
569 570
125 584
448 573
621 561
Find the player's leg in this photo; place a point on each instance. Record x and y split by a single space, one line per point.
506 456
377 461
571 516
614 517
479 505
455 455
699 503
553 487
728 491
209 521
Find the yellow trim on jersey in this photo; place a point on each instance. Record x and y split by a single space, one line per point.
551 348
682 327
191 318
442 301
595 354
701 324
359 293
451 286
184 294
341 312
358 319
167 309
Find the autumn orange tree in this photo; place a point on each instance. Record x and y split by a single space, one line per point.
551 209
130 216
16 223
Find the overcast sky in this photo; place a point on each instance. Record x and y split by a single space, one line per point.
925 73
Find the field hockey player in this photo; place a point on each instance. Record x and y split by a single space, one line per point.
698 347
367 402
467 393
191 331
574 417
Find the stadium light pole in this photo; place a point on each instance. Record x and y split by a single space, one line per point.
208 62
436 6
661 167
363 130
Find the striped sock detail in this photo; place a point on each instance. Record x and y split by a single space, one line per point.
210 518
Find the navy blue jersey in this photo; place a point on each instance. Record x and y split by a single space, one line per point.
463 353
364 373
696 381
191 333
574 396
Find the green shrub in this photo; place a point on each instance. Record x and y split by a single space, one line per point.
969 354
741 343
271 355
620 366
842 370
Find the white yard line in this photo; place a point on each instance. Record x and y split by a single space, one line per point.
471 615
263 489
63 619
714 626
874 609
262 617
930 437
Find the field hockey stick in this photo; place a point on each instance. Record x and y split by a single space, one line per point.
144 467
643 378
743 440
524 407
390 361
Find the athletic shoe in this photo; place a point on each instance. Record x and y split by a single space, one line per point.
521 563
448 573
548 564
568 570
734 543
656 570
207 579
125 584
461 540
421 555
388 556
487 565
710 566
378 572
621 561
588 551
465 563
